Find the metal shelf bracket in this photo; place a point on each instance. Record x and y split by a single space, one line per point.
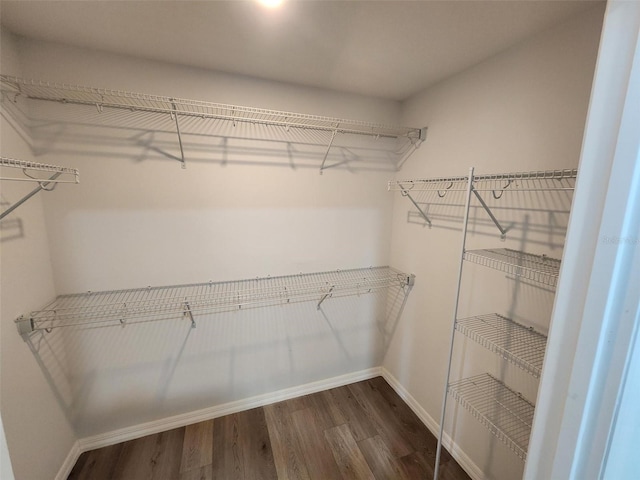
503 231
325 296
405 193
188 313
175 117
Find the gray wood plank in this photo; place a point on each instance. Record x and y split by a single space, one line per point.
348 456
197 447
287 450
380 460
202 473
376 409
319 459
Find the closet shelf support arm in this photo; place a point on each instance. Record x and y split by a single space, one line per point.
175 117
415 143
326 154
405 193
503 231
324 297
188 313
41 186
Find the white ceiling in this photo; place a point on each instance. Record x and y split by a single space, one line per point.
388 49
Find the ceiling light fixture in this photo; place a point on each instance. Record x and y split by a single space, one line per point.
270 3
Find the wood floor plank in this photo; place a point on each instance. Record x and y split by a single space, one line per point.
227 456
197 447
359 422
257 445
381 461
321 464
388 426
97 464
414 465
242 448
415 432
285 443
202 473
154 457
348 456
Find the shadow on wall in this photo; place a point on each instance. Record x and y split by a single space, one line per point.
10 228
106 378
81 130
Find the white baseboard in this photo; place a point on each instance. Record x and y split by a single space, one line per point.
456 452
149 428
69 462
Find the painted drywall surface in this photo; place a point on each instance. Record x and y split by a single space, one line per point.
522 110
39 436
241 209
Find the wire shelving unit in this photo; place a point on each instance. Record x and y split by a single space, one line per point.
520 345
33 172
177 108
505 413
123 307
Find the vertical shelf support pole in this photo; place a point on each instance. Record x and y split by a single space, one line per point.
453 324
326 154
175 117
41 186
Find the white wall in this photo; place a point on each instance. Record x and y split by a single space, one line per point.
521 110
138 219
39 435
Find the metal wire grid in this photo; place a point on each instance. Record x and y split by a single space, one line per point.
504 412
27 167
157 303
538 268
537 181
522 346
101 98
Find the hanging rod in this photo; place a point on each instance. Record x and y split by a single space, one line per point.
122 307
29 169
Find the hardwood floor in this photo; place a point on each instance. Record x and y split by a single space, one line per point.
360 431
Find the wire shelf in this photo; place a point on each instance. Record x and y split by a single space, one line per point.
537 181
505 413
139 305
107 98
538 268
69 175
520 345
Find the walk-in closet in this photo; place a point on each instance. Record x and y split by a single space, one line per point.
318 240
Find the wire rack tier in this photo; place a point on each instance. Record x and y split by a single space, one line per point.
120 307
505 413
536 181
520 345
107 98
538 268
30 169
